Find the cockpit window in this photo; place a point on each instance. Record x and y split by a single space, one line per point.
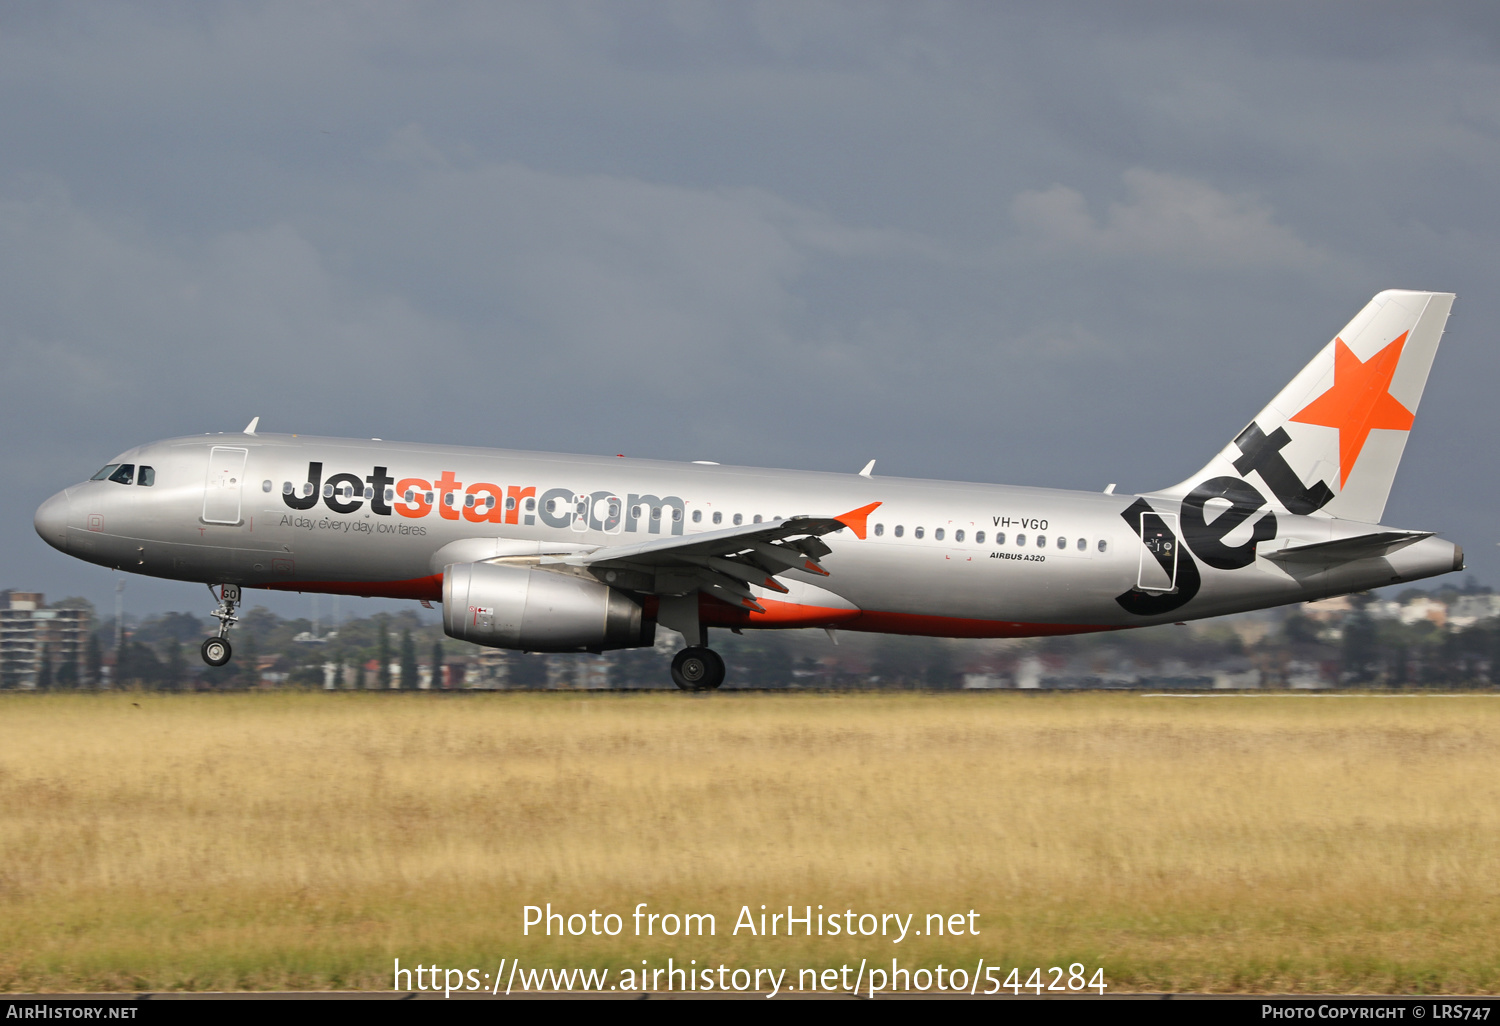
104 474
124 475
147 477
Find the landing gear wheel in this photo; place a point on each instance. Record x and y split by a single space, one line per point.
697 669
216 651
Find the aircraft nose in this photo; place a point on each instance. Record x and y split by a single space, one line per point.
51 520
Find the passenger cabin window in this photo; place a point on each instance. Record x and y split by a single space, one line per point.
919 532
265 486
1062 543
900 530
105 471
147 477
738 519
757 518
676 515
1020 539
328 491
124 475
999 537
1083 544
531 505
1103 544
958 536
697 516
879 530
978 537
938 534
1041 541
718 518
287 488
411 495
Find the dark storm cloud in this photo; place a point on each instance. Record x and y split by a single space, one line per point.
1064 245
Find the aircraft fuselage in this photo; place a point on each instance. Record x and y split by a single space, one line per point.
375 518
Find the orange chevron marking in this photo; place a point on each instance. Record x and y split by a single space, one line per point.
856 519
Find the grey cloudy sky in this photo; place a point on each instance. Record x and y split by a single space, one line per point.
1061 244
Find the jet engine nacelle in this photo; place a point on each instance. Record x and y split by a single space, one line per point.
539 611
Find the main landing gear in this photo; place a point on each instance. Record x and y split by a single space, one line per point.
217 650
698 668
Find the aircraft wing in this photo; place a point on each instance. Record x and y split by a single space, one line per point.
723 563
1343 550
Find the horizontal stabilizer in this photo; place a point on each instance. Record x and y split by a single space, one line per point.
1345 550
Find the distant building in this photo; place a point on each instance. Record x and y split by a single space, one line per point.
1424 608
28 629
1467 610
489 669
1324 610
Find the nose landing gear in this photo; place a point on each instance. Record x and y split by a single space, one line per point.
217 650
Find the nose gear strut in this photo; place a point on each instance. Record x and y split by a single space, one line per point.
217 650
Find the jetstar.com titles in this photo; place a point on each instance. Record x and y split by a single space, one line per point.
483 501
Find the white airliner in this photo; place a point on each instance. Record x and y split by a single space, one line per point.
556 553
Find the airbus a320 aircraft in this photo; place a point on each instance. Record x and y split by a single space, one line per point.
555 553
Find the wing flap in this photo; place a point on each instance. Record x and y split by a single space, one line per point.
727 563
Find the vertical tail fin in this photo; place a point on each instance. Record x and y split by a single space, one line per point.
1330 442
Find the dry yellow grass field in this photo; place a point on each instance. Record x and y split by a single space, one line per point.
305 840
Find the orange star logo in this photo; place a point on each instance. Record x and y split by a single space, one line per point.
1359 401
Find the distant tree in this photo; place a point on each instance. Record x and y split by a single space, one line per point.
1359 646
896 662
145 669
43 668
914 662
758 659
1398 660
526 671
437 663
175 670
123 669
249 660
1299 630
337 659
1451 663
67 674
93 659
383 670
408 660
940 671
